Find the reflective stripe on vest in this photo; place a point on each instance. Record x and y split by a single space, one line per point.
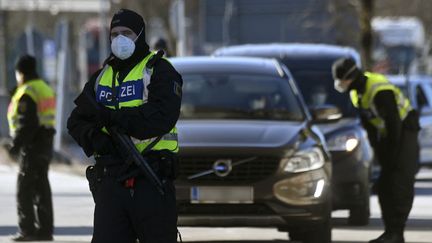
132 92
374 84
44 97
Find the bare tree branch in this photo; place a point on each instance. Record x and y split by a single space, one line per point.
366 13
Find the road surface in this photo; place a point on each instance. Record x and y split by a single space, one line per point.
73 207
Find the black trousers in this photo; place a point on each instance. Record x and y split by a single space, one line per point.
35 211
123 216
396 182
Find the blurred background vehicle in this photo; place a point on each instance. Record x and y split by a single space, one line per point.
400 44
352 155
250 154
418 88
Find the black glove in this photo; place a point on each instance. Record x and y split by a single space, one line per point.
411 122
102 143
13 152
120 118
103 117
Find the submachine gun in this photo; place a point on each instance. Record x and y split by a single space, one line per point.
124 142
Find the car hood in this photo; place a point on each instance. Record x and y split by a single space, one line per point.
237 133
344 123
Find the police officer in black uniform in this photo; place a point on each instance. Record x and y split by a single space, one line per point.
143 101
31 116
392 127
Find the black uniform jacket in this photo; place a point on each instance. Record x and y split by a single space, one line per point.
29 135
154 118
385 103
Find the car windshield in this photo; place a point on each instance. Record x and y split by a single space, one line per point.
238 96
317 86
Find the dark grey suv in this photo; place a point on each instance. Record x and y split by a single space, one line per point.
249 154
310 65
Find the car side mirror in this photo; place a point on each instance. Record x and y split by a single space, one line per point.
325 113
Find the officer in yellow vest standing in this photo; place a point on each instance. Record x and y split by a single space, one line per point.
31 117
143 101
392 126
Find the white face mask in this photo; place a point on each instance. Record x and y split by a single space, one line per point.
19 77
342 86
123 47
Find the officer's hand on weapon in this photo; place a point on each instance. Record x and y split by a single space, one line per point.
103 117
13 151
102 143
6 145
106 117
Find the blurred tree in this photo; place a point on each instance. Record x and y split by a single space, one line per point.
344 22
344 14
366 14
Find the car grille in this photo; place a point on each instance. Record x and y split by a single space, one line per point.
249 172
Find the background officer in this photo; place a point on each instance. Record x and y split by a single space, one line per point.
161 44
392 126
31 116
144 102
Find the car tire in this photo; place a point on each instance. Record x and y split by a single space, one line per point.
359 215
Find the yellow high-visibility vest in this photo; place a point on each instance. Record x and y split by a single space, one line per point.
375 83
44 97
132 92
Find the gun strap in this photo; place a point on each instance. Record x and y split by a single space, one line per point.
151 145
150 64
129 162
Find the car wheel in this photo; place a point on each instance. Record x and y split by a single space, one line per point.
359 215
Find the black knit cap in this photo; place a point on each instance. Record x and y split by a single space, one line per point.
26 64
345 68
130 19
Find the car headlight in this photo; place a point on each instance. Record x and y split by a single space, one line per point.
343 142
304 160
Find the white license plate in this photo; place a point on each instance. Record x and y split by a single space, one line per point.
220 194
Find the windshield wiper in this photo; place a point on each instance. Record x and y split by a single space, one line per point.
234 112
276 113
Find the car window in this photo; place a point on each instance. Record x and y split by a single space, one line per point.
426 92
317 87
238 96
